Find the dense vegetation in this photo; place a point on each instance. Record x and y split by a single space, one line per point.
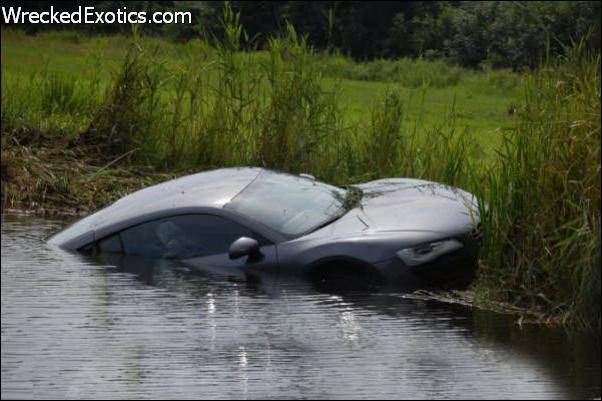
492 33
78 135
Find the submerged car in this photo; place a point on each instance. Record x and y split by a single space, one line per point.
398 231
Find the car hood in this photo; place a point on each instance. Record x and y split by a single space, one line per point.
407 204
403 204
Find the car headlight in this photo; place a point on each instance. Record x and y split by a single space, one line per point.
428 252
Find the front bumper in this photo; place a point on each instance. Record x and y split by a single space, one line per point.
451 270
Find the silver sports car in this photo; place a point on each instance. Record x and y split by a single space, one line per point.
398 231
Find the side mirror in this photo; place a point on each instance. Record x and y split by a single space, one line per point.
244 246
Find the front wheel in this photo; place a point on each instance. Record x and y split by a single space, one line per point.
345 277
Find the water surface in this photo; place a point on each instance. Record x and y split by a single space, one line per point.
79 328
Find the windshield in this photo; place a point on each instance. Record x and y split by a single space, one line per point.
290 204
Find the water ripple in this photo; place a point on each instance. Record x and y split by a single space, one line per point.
77 328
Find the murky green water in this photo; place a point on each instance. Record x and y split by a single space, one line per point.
77 328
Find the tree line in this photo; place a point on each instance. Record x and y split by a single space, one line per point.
510 34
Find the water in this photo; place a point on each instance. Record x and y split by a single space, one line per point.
77 328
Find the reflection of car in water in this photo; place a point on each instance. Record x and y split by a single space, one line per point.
399 231
293 312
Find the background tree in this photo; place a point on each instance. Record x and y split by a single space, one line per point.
512 34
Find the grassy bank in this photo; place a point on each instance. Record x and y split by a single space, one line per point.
82 124
543 235
482 100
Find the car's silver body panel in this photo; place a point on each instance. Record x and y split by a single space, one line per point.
393 214
404 204
202 192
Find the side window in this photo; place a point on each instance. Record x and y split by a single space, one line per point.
110 244
143 240
183 237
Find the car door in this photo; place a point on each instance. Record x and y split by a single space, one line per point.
199 240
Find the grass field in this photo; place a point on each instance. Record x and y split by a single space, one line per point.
88 119
478 103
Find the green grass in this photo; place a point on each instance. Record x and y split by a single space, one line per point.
478 104
543 231
481 109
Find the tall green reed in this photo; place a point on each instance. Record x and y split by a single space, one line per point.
542 233
301 127
125 122
391 146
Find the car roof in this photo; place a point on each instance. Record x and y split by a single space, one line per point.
206 189
210 189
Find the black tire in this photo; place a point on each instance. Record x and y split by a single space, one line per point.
345 276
